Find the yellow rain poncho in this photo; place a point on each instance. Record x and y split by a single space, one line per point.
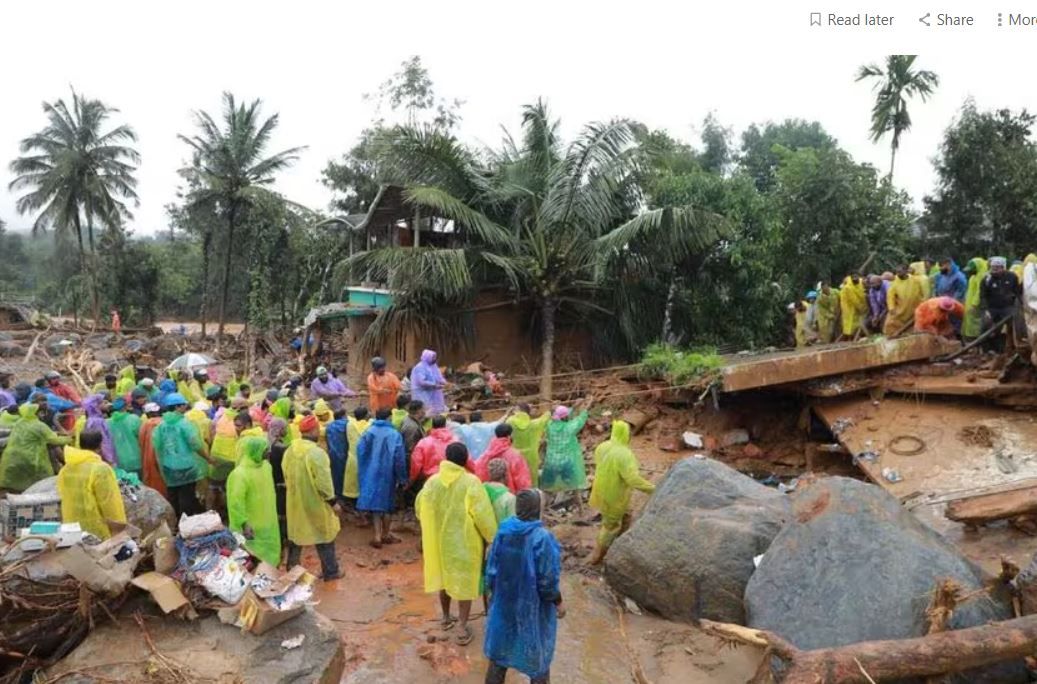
802 331
89 493
200 419
398 415
919 274
251 499
191 390
351 482
616 474
224 445
126 382
972 326
827 314
307 478
457 521
527 436
853 306
902 298
24 461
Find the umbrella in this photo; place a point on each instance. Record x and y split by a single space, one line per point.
189 361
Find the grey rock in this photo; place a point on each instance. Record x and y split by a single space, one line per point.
10 349
100 340
690 554
147 512
853 565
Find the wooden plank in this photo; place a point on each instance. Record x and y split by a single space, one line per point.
989 507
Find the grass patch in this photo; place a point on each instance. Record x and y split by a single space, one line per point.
679 366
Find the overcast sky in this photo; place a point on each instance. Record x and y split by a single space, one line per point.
312 63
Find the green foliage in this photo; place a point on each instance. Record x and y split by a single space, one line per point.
130 278
680 366
760 144
986 196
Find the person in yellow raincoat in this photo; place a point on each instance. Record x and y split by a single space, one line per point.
853 304
252 502
355 429
976 270
827 312
801 329
920 272
126 382
399 414
190 388
457 521
902 298
25 461
310 500
199 417
88 489
527 434
616 474
324 417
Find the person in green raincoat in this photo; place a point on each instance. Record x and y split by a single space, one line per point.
399 414
126 382
282 408
616 474
564 470
125 430
976 270
501 498
827 312
252 503
25 460
527 434
182 456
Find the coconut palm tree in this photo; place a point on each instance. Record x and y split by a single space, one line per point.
78 176
229 171
894 85
542 217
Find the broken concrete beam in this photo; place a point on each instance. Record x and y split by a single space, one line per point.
816 362
986 508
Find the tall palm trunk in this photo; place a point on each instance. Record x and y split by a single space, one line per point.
547 360
95 299
203 310
892 161
671 303
225 287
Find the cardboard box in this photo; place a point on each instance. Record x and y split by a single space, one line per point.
164 590
257 617
97 566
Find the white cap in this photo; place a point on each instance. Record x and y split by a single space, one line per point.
147 382
151 407
201 406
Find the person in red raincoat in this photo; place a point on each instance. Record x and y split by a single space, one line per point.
150 473
500 447
430 451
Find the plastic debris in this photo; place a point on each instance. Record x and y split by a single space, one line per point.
294 642
892 475
692 440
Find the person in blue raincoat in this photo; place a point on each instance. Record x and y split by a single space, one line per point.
476 434
338 449
382 469
522 575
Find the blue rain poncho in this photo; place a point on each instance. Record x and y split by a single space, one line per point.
338 451
381 467
522 574
476 436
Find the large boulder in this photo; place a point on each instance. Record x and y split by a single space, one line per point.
146 509
853 565
691 552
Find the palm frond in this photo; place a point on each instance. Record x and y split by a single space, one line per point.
473 221
443 273
681 231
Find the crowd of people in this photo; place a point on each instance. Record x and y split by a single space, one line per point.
938 298
285 466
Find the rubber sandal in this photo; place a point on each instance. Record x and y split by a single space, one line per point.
375 544
448 623
466 637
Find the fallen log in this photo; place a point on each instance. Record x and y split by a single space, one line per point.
935 654
986 508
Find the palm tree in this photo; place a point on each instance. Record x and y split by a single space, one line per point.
77 174
230 171
544 218
898 82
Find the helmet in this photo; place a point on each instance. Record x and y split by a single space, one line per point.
174 399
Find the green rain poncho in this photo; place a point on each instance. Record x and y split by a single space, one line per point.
25 460
125 429
972 326
178 446
563 460
527 434
616 474
251 499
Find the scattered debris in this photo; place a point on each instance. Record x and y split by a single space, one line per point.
294 642
734 437
978 435
892 475
692 440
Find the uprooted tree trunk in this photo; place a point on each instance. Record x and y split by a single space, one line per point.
934 654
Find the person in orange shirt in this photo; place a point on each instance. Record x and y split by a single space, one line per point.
936 316
382 386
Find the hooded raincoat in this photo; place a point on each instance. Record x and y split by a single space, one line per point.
921 276
953 284
903 297
178 448
518 471
429 452
973 323
527 436
457 520
95 422
199 417
827 314
381 466
251 499
89 493
563 461
476 436
282 408
338 451
224 445
307 479
502 500
125 431
150 472
25 461
616 475
853 305
355 429
522 574
426 383
127 380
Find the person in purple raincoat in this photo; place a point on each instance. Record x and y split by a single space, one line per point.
95 421
427 383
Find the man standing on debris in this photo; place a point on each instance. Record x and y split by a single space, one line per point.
427 383
181 455
527 435
853 305
564 470
976 270
878 296
827 312
904 296
310 502
950 281
88 489
616 474
456 521
522 574
25 459
330 389
382 386
999 295
939 316
252 502
501 449
382 467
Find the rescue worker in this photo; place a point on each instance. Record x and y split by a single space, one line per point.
616 474
501 449
939 316
181 456
382 386
999 295
853 305
527 434
827 313
382 470
25 460
88 489
904 296
564 470
976 270
252 501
